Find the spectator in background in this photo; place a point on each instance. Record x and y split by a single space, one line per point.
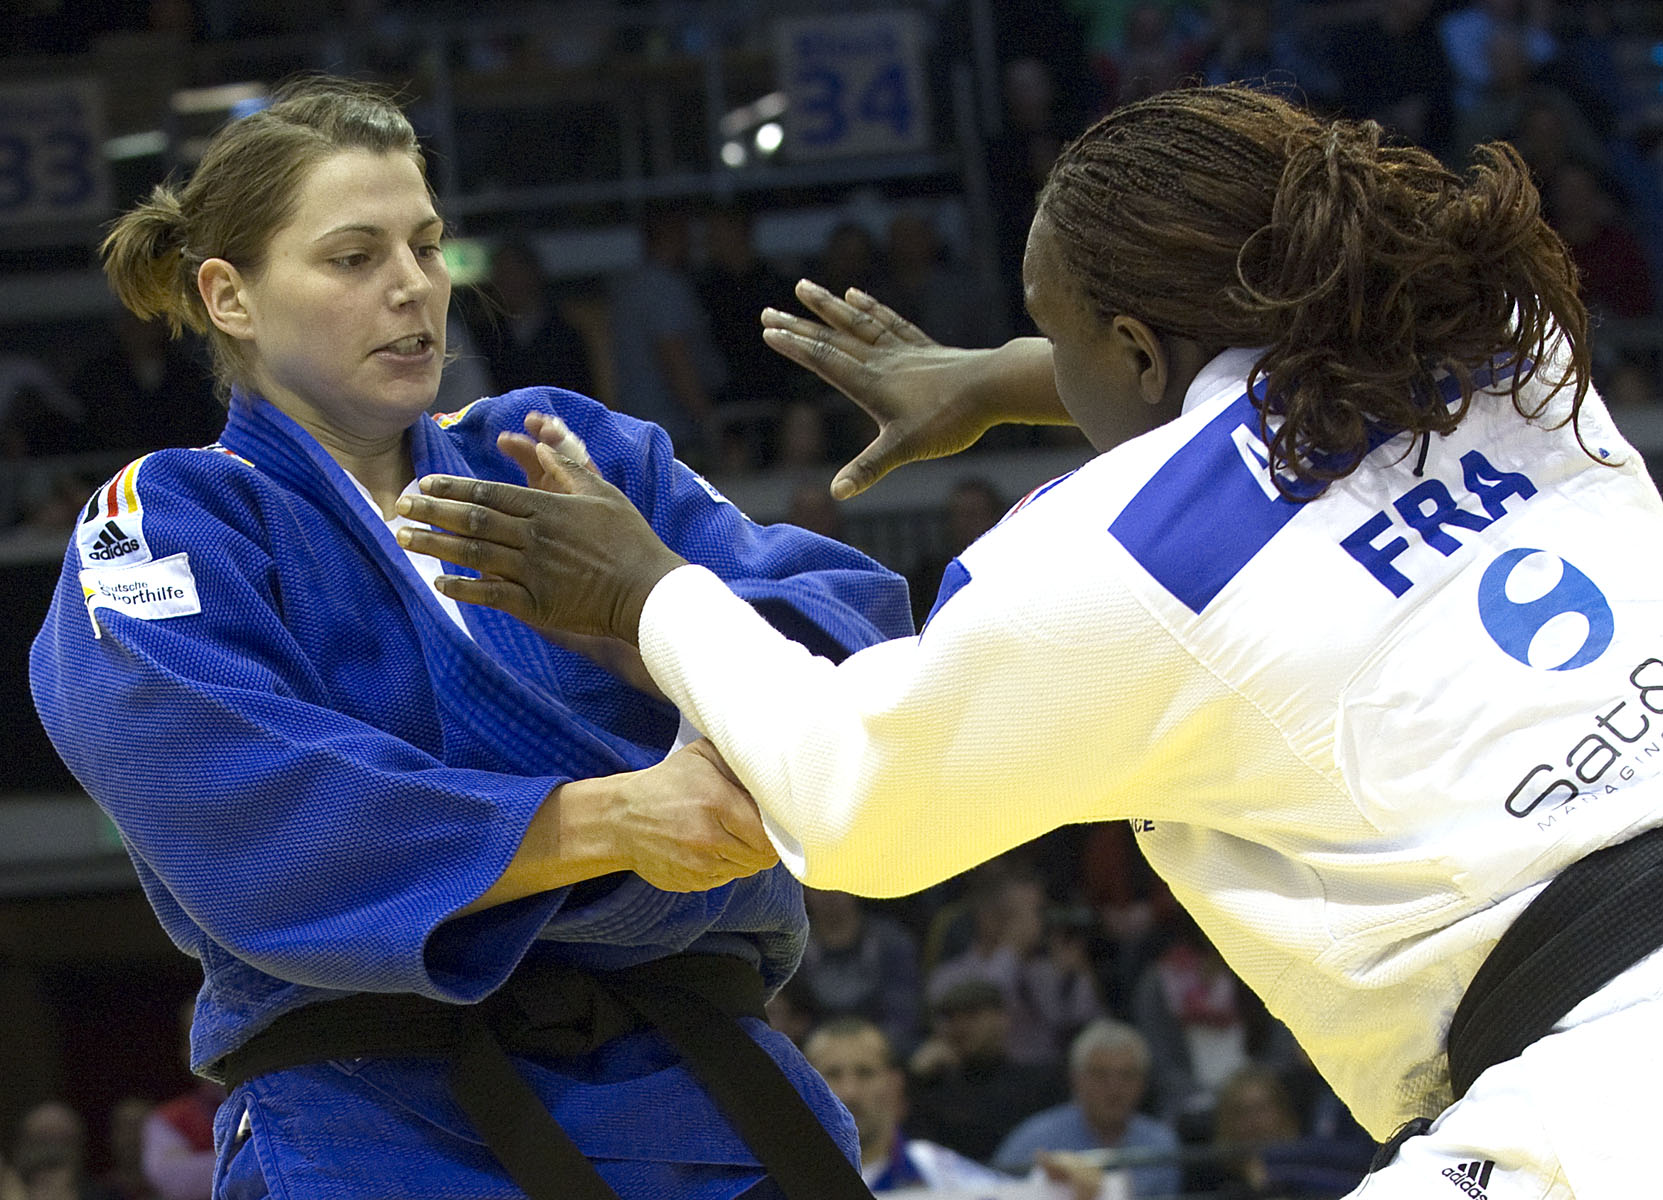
1500 110
1135 909
861 963
144 390
519 326
940 294
1153 56
1393 70
1049 988
804 436
966 1091
38 415
1201 1024
973 506
1262 1153
51 1155
1036 125
1469 33
812 508
1108 1071
1244 49
850 259
179 1144
735 285
1629 385
1609 257
666 364
793 1010
858 1062
1551 132
177 1136
125 1180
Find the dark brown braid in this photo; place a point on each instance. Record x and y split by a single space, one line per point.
1233 218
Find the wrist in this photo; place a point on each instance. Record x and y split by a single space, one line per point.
626 620
586 828
1016 384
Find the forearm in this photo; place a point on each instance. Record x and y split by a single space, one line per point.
566 842
1014 384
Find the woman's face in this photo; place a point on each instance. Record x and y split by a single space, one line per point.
346 317
1096 366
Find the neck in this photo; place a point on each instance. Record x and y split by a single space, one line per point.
382 465
876 1150
1108 1135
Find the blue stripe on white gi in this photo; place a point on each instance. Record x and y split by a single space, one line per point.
955 576
1204 514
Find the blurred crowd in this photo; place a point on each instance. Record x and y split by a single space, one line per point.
1052 1006
675 338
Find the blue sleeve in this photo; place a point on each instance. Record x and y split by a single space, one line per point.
826 595
312 844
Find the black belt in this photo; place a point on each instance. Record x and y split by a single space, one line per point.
546 1010
1598 917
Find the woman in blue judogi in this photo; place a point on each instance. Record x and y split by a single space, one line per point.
437 868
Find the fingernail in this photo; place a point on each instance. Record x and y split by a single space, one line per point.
403 506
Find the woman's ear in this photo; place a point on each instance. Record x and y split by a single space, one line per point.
221 287
1148 353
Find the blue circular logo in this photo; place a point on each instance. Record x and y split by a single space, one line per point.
1514 624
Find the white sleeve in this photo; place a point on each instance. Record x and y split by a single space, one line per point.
1017 710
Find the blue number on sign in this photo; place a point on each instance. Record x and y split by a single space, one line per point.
820 95
65 172
886 100
16 189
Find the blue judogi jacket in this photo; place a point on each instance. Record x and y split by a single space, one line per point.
312 768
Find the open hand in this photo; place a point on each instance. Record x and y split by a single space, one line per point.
577 557
616 657
915 388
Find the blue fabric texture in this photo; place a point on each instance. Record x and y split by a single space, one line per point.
316 770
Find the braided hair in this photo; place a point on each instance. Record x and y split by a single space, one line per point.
1367 270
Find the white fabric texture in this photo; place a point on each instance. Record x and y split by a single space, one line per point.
1346 755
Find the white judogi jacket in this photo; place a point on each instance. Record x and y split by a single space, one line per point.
1355 735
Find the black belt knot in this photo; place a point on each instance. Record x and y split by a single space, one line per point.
550 1011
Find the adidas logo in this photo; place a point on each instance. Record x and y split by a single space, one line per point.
1472 1178
112 543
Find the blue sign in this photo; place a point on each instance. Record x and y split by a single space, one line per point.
854 83
52 164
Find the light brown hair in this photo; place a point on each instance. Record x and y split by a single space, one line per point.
1233 218
243 191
